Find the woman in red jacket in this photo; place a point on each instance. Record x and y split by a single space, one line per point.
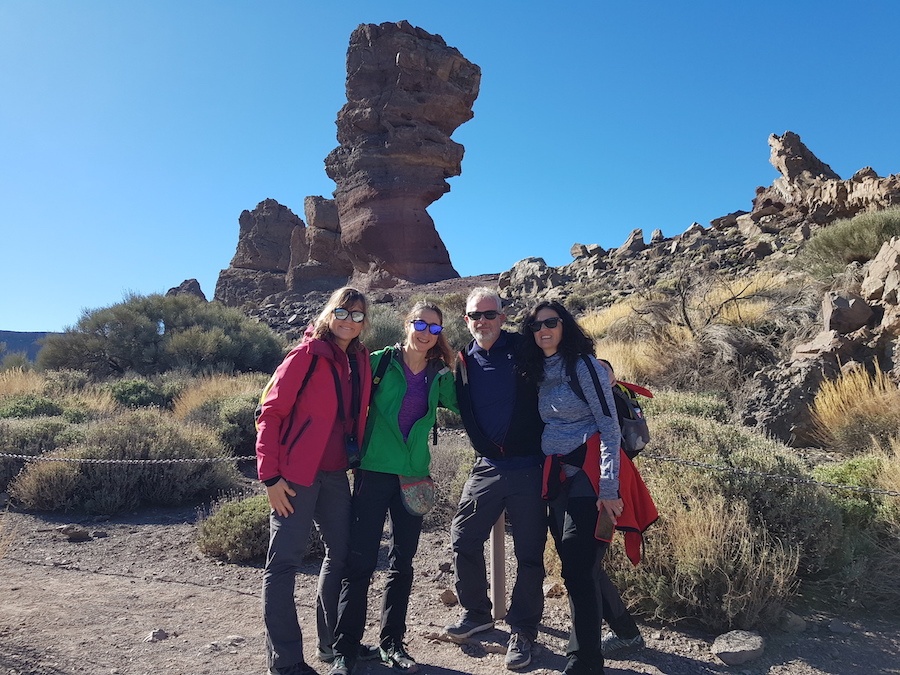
309 428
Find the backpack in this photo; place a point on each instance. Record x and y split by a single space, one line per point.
270 384
635 432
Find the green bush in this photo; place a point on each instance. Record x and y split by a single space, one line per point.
155 333
451 461
29 405
114 487
856 239
710 406
236 531
138 392
859 509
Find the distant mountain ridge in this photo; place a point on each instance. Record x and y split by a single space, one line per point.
17 342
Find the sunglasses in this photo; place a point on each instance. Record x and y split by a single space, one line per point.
342 314
552 322
490 315
420 325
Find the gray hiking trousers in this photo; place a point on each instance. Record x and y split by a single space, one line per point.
487 492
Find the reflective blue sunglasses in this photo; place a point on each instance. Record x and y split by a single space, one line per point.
420 325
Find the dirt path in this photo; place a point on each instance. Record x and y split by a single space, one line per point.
91 607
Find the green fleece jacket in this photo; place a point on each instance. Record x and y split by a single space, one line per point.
384 449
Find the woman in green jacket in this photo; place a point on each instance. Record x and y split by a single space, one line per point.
395 448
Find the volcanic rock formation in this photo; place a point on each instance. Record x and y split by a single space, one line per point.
407 91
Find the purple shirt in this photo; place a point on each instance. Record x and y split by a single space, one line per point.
415 401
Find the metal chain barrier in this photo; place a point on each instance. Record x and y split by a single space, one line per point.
659 458
86 460
769 476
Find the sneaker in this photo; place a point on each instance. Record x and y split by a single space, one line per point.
341 666
396 656
613 646
518 653
369 653
366 653
467 628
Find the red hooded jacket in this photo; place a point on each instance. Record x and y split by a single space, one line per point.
293 430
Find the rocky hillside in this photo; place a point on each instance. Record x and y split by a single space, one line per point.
770 379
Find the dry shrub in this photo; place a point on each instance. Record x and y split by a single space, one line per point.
706 561
596 324
740 302
19 381
634 361
852 410
800 515
111 488
451 461
201 390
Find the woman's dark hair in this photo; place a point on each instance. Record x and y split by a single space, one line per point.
574 342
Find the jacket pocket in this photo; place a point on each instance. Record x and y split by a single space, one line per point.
291 442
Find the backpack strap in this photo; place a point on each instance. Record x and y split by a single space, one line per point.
576 385
271 382
383 362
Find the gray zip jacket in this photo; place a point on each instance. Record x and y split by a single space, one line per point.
570 421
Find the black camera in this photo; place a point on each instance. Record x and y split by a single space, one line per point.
353 455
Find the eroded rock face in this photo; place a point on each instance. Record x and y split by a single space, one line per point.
407 91
263 254
809 188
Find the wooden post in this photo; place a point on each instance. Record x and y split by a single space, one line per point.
498 567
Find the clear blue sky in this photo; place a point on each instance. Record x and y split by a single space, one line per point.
133 134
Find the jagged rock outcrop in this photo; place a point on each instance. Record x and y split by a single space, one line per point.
808 188
263 255
188 287
407 91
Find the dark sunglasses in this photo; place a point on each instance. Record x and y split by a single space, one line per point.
420 325
490 315
552 322
342 314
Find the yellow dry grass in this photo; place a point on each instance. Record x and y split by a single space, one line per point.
742 302
852 410
217 387
597 323
17 381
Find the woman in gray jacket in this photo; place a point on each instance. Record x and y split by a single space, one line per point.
581 448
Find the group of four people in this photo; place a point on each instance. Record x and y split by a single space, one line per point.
324 415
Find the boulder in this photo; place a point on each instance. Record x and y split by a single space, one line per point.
738 646
844 312
634 243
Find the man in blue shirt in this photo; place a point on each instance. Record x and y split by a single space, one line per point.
499 411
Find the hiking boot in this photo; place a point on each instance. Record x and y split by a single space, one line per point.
613 646
293 669
518 652
396 656
467 628
341 666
